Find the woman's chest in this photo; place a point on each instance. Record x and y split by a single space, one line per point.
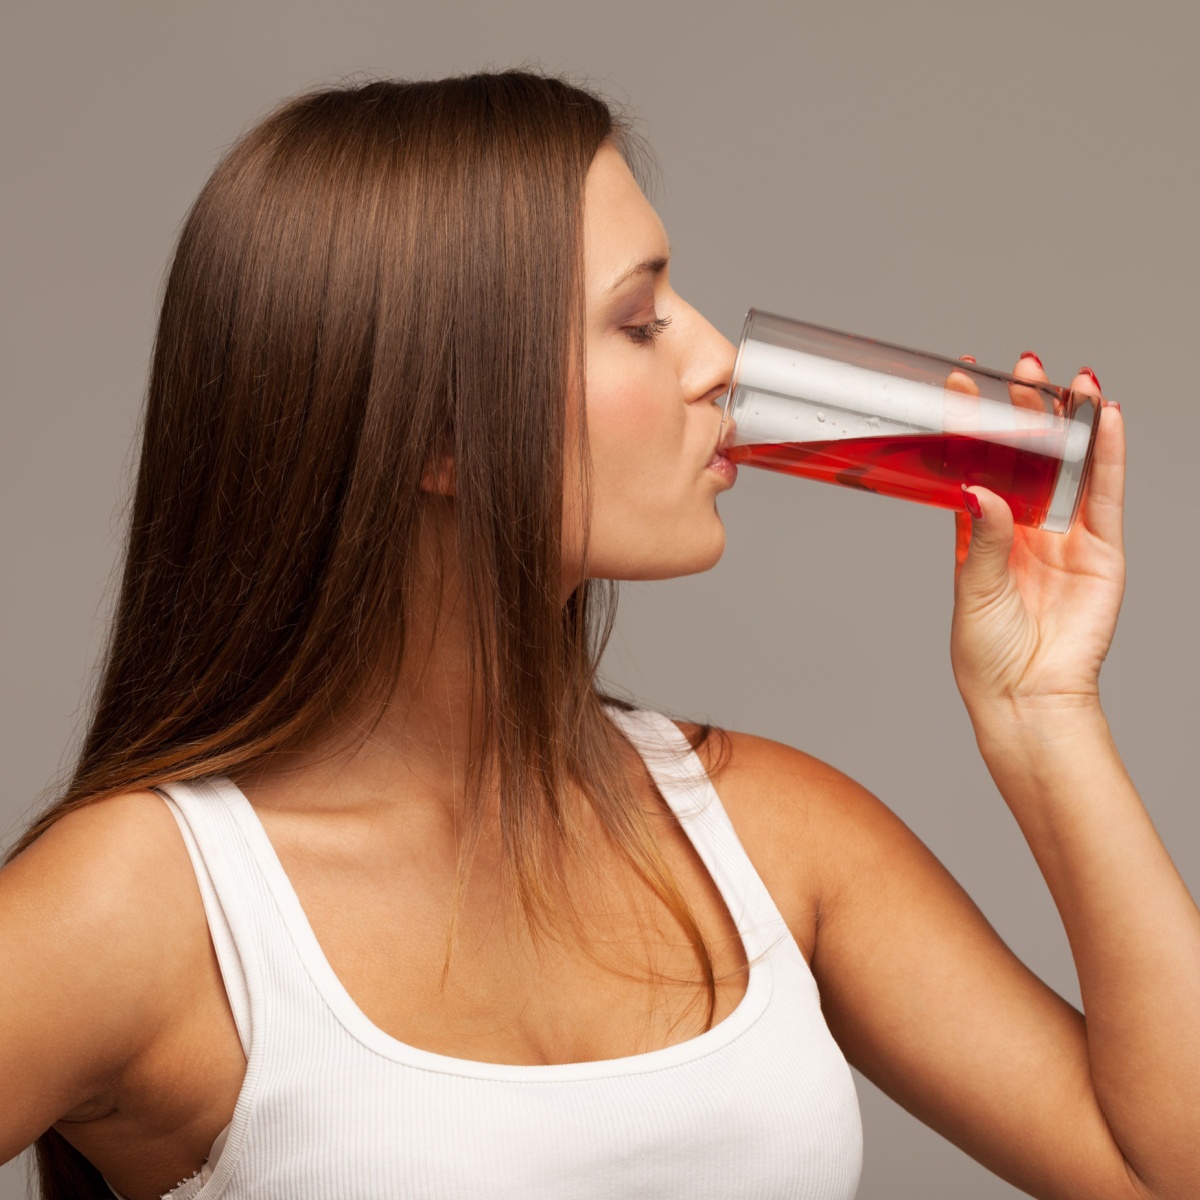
500 995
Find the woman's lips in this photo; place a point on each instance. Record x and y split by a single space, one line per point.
723 467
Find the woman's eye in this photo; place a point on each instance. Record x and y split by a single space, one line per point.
644 335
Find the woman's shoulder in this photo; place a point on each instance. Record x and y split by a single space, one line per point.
803 821
102 919
113 875
112 853
776 797
774 772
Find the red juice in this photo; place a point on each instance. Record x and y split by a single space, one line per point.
927 467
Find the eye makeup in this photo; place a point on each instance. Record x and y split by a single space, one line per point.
645 335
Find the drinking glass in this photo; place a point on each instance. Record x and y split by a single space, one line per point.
866 414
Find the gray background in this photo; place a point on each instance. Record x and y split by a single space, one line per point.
957 177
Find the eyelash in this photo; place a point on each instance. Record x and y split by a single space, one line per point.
645 335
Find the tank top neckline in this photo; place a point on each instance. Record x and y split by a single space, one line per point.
700 823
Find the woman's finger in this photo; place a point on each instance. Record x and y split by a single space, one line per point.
1029 366
962 541
984 577
960 381
1103 502
960 404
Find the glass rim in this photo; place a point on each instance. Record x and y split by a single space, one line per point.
744 337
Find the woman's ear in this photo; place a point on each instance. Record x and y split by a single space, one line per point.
438 477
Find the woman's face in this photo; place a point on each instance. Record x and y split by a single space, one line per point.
654 368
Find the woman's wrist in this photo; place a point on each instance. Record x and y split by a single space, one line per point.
1054 767
1037 735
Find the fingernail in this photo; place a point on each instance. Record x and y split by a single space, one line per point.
1092 376
971 504
1030 354
966 358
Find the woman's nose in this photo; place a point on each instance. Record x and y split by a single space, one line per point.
717 355
707 356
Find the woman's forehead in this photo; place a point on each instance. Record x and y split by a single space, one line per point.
621 228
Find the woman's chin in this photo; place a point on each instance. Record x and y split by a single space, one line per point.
676 563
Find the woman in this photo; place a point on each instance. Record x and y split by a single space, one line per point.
360 887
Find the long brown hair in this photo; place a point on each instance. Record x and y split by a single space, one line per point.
374 275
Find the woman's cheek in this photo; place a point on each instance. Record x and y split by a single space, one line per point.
625 427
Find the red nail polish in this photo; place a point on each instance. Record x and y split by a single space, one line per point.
971 504
966 358
1030 354
1092 376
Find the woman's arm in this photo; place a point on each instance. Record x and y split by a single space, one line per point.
920 992
91 962
1133 928
927 1001
1034 617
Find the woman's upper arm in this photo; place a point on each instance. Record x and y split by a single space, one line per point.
926 1000
86 930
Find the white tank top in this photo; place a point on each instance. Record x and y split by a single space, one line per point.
761 1106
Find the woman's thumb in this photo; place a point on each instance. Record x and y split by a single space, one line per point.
984 571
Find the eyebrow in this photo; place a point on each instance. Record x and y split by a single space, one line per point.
651 266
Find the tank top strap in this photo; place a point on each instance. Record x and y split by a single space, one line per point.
237 902
269 991
233 970
249 903
680 776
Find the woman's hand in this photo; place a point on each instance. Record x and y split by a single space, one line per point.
1035 612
